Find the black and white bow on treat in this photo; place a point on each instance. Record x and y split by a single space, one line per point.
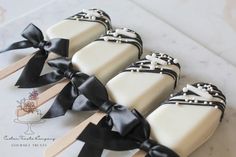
99 137
34 38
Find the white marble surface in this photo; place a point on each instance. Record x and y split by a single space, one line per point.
13 9
205 53
211 23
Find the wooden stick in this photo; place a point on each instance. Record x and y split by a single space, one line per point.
46 95
14 67
139 153
62 143
19 64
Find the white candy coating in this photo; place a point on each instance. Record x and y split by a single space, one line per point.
79 33
141 90
104 58
183 128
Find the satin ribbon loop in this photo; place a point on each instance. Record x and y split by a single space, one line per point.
161 151
147 145
78 78
42 44
64 68
65 99
122 118
30 76
95 91
106 107
69 74
154 149
34 38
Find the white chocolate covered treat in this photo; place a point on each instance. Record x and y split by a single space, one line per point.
188 119
81 29
109 54
146 83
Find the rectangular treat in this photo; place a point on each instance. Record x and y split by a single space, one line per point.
109 54
188 119
146 83
81 29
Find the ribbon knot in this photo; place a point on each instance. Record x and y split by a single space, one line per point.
69 74
34 38
41 45
147 145
65 99
106 107
96 94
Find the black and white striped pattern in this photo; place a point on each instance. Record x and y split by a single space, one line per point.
156 63
93 15
200 94
123 35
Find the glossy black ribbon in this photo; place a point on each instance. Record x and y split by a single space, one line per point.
99 137
65 99
120 116
92 95
34 38
94 149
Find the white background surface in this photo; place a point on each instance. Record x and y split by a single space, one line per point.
201 34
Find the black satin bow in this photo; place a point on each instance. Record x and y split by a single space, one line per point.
92 95
99 137
65 99
120 116
34 38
